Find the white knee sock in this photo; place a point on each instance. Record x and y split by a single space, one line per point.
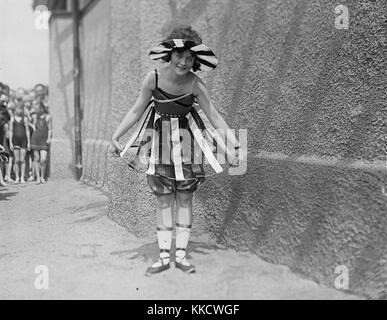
164 238
182 237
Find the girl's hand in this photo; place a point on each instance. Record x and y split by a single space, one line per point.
49 141
235 160
11 146
116 148
238 156
29 147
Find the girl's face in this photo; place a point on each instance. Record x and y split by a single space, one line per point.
41 109
19 111
36 104
40 91
32 95
28 104
20 94
182 62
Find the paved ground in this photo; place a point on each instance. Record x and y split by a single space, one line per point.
63 225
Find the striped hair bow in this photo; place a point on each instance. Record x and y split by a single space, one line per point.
204 55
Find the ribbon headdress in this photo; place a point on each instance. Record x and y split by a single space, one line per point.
204 55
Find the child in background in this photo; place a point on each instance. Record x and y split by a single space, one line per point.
40 141
4 100
27 106
30 153
11 110
41 95
27 100
4 152
32 95
19 94
3 159
19 137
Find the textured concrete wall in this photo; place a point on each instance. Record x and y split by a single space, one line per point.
131 203
311 97
95 91
62 97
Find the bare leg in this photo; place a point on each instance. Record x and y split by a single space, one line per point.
33 169
43 163
37 165
22 164
28 165
184 207
16 167
2 183
164 232
33 174
8 171
183 230
164 214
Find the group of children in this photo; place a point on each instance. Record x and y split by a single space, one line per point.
25 134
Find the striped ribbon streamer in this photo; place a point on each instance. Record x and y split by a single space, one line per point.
141 123
176 150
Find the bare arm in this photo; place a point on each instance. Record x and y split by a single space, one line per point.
27 131
27 114
33 121
49 124
10 133
138 109
6 130
212 114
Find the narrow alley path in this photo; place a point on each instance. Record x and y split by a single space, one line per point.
63 225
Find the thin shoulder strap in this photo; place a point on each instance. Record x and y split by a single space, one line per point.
157 78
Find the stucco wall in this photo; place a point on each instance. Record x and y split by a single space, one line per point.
62 97
311 97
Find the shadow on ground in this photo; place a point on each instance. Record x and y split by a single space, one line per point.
150 251
7 195
89 213
94 205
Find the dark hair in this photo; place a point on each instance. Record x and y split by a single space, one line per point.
39 85
184 32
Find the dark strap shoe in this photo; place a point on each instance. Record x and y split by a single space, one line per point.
160 265
183 264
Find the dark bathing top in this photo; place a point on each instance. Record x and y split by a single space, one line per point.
180 105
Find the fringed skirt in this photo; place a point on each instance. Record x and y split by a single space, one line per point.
176 147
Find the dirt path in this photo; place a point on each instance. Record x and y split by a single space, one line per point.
63 227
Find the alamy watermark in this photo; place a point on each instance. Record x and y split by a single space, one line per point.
42 280
342 17
342 280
